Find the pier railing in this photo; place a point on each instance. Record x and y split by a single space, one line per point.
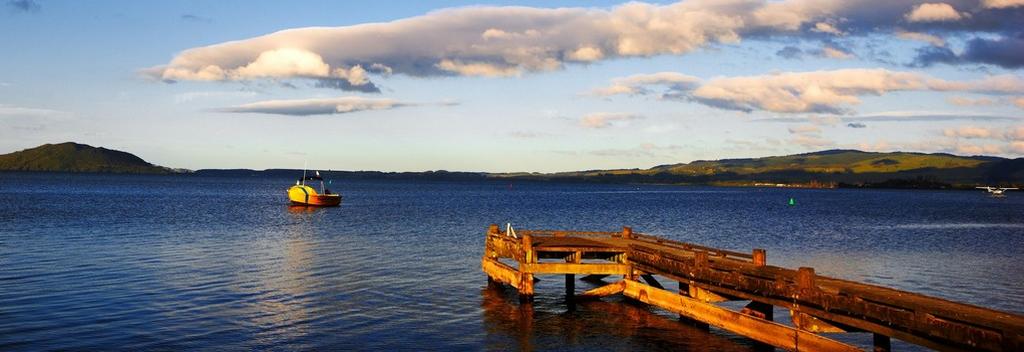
706 275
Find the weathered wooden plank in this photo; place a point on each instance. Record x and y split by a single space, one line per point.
500 272
574 268
764 294
931 321
755 328
603 291
808 322
711 274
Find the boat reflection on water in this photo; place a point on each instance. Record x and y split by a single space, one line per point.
303 209
605 325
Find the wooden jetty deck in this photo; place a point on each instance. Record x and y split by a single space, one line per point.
706 276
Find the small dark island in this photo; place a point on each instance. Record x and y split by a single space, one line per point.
75 157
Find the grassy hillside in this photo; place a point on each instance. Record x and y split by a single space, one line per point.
849 167
74 157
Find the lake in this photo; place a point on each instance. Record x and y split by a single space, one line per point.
181 262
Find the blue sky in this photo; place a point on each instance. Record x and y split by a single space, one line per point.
478 86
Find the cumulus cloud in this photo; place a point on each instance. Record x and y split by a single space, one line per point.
974 149
970 132
811 141
964 101
1001 4
804 129
835 53
976 132
320 106
933 12
825 27
1017 147
1006 52
641 84
510 41
831 92
921 37
606 119
471 41
825 120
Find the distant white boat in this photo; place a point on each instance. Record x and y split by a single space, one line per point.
996 191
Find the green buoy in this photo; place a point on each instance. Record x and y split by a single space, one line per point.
792 201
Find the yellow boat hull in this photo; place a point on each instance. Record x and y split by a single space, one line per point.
305 195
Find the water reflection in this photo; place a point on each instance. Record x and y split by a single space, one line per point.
303 209
605 325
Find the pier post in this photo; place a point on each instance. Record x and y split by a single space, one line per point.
760 257
570 279
570 286
627 232
526 279
882 343
805 278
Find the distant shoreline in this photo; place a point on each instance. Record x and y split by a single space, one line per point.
462 177
823 169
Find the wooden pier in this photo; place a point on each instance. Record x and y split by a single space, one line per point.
706 276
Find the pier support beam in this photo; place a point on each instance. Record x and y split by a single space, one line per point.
684 290
526 278
570 286
882 343
760 310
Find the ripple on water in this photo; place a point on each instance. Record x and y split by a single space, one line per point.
396 267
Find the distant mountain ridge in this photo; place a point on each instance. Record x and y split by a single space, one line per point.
828 168
839 166
74 157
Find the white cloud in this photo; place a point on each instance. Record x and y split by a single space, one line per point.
933 12
964 101
1019 102
639 84
805 129
811 141
1017 147
494 41
606 119
830 92
834 53
1001 4
831 121
921 37
973 149
10 110
970 132
479 69
825 27
322 106
1008 134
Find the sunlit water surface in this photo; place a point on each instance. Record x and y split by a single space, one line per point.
170 262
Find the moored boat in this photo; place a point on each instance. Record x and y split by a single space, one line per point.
303 194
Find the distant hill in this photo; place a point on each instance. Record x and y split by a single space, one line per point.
74 157
829 168
825 168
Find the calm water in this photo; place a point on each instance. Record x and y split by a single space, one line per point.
168 263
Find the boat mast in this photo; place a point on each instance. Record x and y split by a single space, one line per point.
304 164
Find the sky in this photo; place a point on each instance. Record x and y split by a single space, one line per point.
500 86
